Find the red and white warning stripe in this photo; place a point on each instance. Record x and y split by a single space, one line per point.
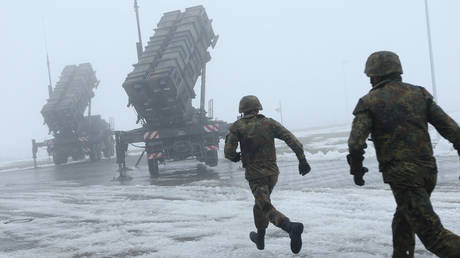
155 155
86 150
211 128
83 139
211 147
151 135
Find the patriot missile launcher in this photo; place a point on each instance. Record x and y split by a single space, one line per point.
161 89
75 135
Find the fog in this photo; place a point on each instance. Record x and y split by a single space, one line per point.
308 55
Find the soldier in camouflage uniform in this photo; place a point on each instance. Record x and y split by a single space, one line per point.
256 134
396 115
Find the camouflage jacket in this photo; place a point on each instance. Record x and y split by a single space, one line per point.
256 135
396 114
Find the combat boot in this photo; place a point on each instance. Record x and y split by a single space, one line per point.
258 238
295 230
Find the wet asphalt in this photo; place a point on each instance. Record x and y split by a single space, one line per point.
325 174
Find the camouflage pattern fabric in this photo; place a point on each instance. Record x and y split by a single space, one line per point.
264 211
396 115
256 134
415 215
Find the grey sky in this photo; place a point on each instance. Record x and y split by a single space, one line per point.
308 54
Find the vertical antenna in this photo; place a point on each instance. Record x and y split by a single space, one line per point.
112 123
138 44
211 108
50 84
281 114
430 47
280 110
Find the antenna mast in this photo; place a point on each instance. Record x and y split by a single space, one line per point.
430 48
138 44
50 84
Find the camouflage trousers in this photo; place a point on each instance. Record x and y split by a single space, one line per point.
415 215
264 211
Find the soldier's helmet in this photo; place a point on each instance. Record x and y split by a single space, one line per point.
249 103
382 63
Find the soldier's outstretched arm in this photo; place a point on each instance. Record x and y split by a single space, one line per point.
443 123
296 146
360 130
231 144
285 135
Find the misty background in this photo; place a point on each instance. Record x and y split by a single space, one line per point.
309 55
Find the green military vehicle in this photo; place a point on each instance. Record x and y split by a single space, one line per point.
161 89
74 134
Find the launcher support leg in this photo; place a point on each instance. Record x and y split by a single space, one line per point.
34 152
121 149
139 159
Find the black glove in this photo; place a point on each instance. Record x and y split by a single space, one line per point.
304 167
237 157
357 169
358 178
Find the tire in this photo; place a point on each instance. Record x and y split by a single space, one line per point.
99 155
108 153
59 157
95 154
153 167
92 156
109 148
211 158
78 156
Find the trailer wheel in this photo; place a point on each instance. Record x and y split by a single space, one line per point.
211 158
78 156
153 167
108 152
59 157
95 154
109 148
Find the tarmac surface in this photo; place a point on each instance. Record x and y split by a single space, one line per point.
84 210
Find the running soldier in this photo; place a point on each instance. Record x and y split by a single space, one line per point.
396 115
256 133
